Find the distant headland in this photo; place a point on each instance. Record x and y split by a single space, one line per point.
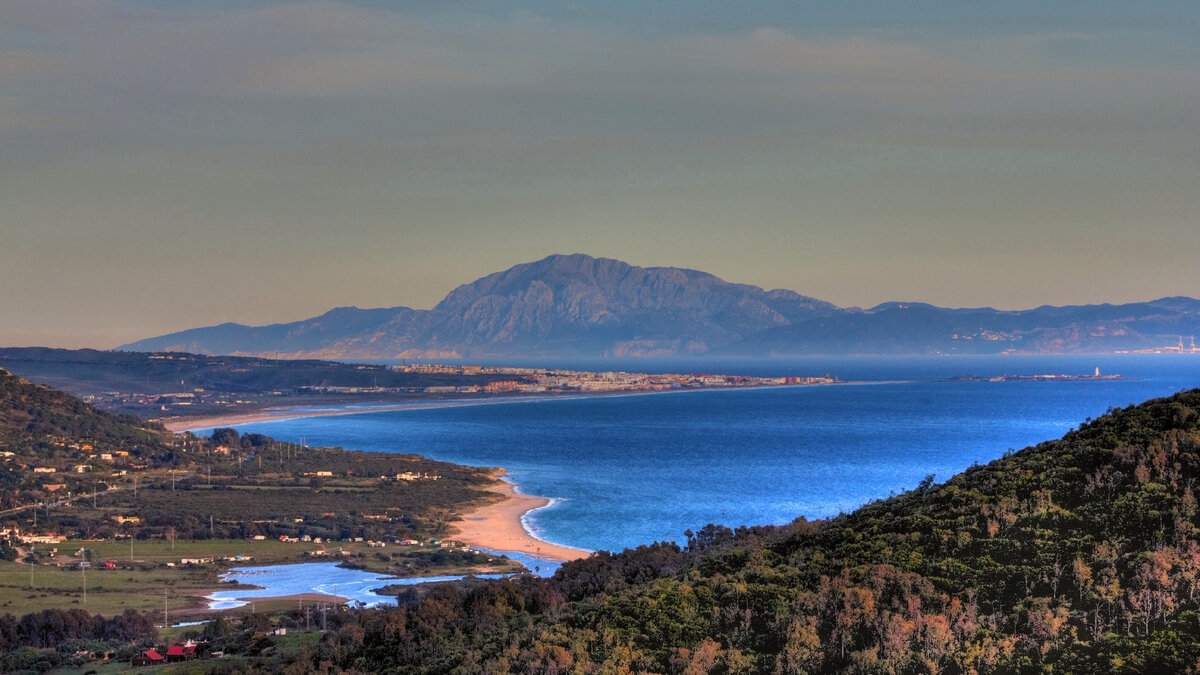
187 391
1039 377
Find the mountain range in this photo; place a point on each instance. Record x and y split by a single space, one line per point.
580 306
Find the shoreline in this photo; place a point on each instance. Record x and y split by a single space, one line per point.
500 526
183 424
273 414
205 608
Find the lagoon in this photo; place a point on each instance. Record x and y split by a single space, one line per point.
356 586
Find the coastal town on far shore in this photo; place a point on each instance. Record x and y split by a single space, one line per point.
553 381
492 381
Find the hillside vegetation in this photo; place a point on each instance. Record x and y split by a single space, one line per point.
198 488
1079 555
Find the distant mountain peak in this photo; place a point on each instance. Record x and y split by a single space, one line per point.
576 305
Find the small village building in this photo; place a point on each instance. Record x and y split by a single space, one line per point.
177 653
149 657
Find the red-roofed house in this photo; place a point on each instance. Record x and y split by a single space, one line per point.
181 652
148 658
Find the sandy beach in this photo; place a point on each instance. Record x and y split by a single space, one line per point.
495 526
498 526
202 603
181 424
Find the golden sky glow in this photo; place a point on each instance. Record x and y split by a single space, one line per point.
168 165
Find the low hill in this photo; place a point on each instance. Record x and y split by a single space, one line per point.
580 306
1079 555
31 415
90 372
55 445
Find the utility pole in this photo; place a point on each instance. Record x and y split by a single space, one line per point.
165 623
83 568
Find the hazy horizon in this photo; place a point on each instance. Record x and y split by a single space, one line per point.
172 165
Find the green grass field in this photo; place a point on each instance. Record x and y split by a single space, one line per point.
115 590
108 591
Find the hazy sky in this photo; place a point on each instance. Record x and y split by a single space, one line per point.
165 165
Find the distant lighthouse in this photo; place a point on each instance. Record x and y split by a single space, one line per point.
1097 371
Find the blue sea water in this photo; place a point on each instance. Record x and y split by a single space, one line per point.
627 470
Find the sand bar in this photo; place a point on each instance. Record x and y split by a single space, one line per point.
202 602
181 424
497 526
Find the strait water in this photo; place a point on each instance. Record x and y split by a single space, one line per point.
627 470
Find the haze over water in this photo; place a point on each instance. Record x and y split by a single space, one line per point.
628 470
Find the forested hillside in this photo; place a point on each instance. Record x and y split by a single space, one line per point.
30 414
1079 555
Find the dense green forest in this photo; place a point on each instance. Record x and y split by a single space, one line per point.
1079 555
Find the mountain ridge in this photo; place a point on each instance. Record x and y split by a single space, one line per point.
580 306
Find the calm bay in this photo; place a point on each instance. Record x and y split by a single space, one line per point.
627 470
